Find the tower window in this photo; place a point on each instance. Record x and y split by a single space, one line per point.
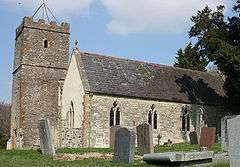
155 120
45 43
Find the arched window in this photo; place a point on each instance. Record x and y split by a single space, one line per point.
188 122
71 116
150 118
118 116
183 122
155 120
185 119
111 117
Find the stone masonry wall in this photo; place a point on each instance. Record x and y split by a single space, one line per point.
70 138
135 112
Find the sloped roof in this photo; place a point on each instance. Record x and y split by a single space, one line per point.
123 77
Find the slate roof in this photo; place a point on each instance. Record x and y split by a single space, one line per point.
122 77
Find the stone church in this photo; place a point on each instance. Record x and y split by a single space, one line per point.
88 94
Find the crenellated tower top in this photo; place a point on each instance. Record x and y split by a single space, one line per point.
28 22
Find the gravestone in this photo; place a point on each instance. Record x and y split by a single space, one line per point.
46 138
193 137
224 132
145 138
234 141
124 146
113 131
207 137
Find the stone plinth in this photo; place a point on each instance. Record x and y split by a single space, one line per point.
178 157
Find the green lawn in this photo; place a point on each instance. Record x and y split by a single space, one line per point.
31 158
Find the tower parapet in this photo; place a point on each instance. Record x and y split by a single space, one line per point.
28 22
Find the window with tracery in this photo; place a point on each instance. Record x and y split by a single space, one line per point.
115 114
185 119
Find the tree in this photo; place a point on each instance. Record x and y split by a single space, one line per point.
218 40
189 58
5 113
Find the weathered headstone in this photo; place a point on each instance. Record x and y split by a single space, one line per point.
124 146
113 131
224 132
145 138
46 138
207 137
193 137
234 141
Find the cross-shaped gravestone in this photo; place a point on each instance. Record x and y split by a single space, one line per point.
124 146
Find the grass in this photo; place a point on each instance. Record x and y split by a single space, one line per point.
33 158
84 150
185 147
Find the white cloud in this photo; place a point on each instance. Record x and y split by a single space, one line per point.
59 7
131 16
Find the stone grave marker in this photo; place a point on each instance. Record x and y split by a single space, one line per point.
113 131
193 137
46 138
124 146
224 132
234 141
145 138
207 137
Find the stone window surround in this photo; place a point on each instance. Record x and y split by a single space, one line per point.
115 114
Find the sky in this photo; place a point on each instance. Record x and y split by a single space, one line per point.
145 30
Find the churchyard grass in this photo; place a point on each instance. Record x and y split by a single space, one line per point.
84 150
31 158
184 147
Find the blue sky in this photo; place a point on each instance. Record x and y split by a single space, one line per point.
151 30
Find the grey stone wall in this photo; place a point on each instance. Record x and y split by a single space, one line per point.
135 112
36 76
71 138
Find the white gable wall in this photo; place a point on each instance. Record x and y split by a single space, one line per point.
73 91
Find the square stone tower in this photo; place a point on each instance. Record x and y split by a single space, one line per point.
40 67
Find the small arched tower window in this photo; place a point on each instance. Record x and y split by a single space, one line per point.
111 117
45 43
150 117
155 120
118 116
